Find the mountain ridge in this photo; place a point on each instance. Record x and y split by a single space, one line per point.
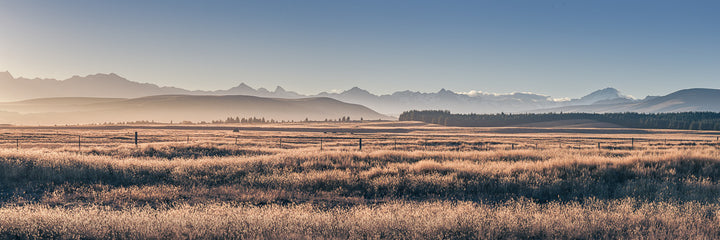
96 85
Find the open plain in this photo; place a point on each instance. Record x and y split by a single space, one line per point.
357 180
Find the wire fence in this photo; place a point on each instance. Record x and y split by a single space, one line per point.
325 140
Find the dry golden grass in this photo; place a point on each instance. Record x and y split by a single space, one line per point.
432 183
610 219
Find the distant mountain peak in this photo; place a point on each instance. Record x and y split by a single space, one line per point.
357 90
604 94
241 87
606 91
445 91
279 89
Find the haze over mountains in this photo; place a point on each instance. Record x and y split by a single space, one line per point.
114 86
103 92
177 108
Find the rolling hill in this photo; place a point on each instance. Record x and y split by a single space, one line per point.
695 99
177 108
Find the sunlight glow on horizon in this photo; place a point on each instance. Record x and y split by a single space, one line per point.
555 48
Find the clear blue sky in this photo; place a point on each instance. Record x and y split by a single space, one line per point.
558 48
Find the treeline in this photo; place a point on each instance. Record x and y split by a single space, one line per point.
245 120
684 120
263 120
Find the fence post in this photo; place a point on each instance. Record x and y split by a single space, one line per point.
395 147
236 140
280 142
512 146
136 139
17 140
598 146
78 143
632 143
360 144
321 144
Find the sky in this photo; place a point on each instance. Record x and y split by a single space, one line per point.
556 48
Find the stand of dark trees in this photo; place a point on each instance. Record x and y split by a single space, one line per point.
683 120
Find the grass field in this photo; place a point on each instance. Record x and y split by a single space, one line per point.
410 180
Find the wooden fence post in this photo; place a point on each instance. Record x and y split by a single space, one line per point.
136 139
360 144
632 143
78 143
395 147
321 144
17 140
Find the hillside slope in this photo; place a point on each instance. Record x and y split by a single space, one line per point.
177 108
687 100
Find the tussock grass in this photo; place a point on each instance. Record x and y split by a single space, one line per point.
450 188
481 176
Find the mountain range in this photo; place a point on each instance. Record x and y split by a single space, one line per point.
604 100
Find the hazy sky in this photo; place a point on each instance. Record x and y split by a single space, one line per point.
558 48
